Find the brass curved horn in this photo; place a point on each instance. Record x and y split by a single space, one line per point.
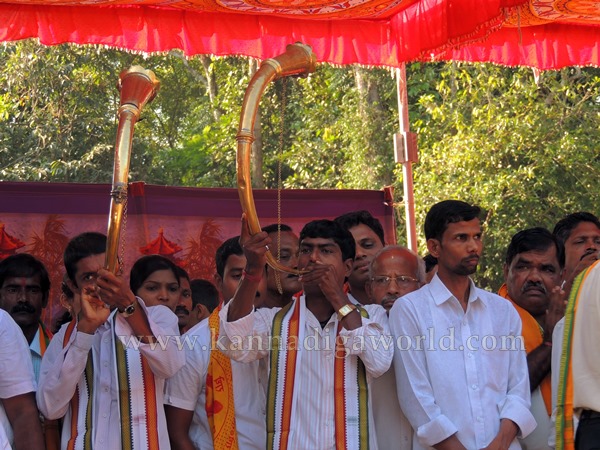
298 59
138 86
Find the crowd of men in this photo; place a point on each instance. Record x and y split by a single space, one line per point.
362 345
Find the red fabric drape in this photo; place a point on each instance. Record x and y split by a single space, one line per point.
44 216
408 35
550 46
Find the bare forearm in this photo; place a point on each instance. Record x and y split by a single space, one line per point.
24 419
451 443
538 365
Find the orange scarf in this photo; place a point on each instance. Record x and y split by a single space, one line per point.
220 408
533 337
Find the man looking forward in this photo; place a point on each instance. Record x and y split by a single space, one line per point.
461 373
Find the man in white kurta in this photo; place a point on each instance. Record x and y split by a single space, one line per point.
328 259
145 338
185 393
62 368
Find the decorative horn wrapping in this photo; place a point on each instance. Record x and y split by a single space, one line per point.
297 60
138 86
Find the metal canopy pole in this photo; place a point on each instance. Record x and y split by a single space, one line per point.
406 153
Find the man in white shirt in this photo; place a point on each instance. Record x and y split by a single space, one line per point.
323 351
103 372
185 394
24 289
19 420
394 272
460 364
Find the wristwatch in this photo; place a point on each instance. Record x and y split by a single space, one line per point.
345 310
128 310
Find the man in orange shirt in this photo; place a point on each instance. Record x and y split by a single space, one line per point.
532 271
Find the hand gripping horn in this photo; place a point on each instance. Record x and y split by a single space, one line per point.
298 59
138 86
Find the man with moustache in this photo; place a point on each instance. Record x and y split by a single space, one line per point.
394 272
532 274
461 375
24 290
281 286
213 402
369 238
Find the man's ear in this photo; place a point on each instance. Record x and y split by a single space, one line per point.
348 267
45 299
505 270
201 312
72 285
218 282
433 245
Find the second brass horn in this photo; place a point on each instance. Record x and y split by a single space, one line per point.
298 59
138 86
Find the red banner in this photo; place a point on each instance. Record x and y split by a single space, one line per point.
187 224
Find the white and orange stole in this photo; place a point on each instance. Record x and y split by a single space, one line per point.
220 406
137 399
350 383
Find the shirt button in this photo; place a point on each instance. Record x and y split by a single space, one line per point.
105 415
479 419
470 355
474 386
105 363
105 389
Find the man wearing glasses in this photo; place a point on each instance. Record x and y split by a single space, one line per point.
394 271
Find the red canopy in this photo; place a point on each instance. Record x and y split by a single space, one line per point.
543 33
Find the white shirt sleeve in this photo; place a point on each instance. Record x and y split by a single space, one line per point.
371 342
60 372
517 403
16 370
165 357
183 389
415 392
249 338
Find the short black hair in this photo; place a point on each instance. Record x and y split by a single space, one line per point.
330 229
182 273
430 262
81 246
564 227
275 227
204 293
354 218
26 266
146 266
446 212
230 247
537 238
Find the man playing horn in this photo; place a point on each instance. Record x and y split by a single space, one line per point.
103 372
322 348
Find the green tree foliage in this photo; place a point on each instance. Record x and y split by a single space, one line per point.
523 150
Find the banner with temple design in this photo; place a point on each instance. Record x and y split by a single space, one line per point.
186 225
